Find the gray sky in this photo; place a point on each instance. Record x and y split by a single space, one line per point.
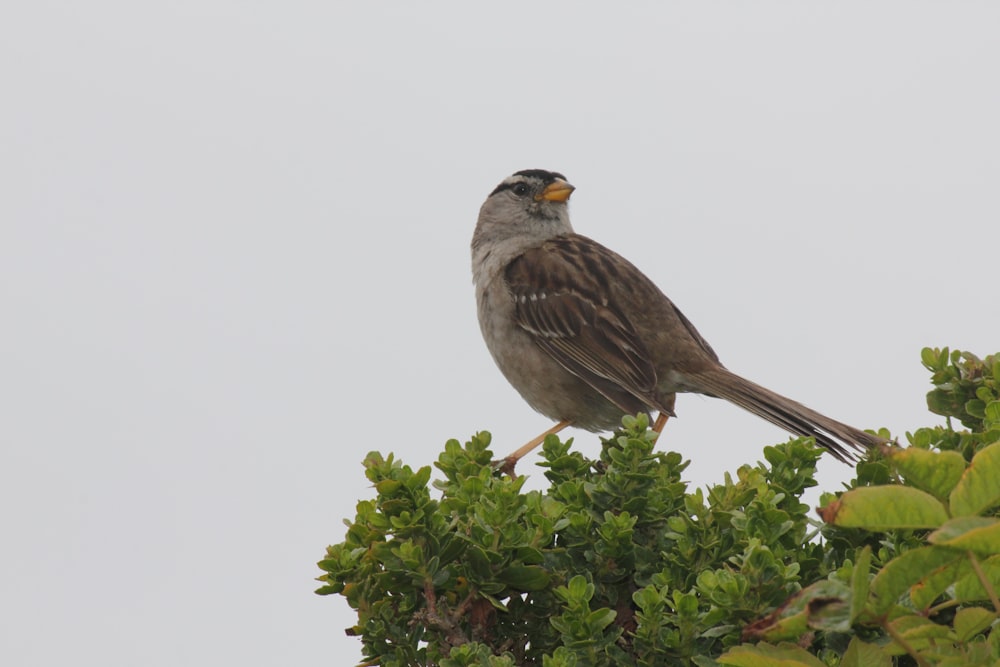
234 259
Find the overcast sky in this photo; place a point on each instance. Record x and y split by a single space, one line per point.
234 259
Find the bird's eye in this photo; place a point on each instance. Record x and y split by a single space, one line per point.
520 189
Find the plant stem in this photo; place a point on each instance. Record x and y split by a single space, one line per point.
898 638
985 581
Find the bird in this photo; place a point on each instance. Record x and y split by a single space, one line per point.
585 337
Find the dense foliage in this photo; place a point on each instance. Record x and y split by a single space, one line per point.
618 562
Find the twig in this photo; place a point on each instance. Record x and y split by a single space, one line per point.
898 638
453 634
985 581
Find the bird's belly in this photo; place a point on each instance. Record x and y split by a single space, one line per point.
542 382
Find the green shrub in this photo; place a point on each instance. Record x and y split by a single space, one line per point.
618 562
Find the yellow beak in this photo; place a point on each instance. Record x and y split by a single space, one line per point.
557 191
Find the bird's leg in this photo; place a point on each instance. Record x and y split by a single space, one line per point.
661 421
510 461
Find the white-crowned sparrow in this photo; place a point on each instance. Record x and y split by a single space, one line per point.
586 338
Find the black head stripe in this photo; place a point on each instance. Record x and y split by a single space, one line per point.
546 177
500 188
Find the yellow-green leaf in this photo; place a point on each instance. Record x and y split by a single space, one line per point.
971 621
860 654
766 655
789 626
918 632
980 535
820 606
885 508
979 487
969 588
927 590
907 570
936 473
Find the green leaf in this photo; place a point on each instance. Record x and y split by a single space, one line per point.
477 561
944 403
601 618
577 590
525 577
971 621
979 487
686 604
387 486
859 583
887 507
934 472
980 535
530 555
991 415
420 478
976 408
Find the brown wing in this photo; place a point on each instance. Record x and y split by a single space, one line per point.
561 294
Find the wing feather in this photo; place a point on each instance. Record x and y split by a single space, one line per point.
561 291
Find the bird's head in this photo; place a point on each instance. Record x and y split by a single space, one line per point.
530 205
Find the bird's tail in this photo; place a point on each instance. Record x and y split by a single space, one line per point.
841 440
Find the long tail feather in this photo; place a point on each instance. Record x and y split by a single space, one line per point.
841 440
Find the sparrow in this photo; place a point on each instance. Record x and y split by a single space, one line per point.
585 337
